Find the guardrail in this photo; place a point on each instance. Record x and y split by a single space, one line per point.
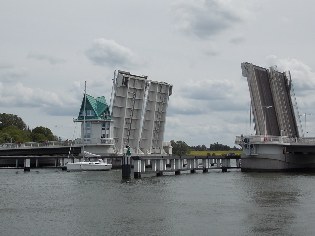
275 139
108 141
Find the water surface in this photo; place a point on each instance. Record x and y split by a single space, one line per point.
54 202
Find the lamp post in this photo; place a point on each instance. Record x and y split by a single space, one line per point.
265 117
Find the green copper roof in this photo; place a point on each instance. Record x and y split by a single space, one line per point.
96 108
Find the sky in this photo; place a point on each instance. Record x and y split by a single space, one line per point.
49 48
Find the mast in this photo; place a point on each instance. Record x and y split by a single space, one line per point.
111 95
84 114
250 117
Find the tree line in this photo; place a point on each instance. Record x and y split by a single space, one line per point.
14 130
181 148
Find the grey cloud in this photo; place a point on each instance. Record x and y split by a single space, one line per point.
105 52
188 109
205 19
211 53
208 90
10 73
68 110
303 78
5 66
48 102
47 58
206 97
237 40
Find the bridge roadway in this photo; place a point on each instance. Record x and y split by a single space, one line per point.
40 151
25 157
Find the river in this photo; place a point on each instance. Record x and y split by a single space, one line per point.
55 202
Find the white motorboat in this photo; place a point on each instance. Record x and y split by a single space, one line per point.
99 165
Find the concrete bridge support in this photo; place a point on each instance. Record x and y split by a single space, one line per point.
27 164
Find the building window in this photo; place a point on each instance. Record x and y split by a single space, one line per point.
89 113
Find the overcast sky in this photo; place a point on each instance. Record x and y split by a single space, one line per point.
49 48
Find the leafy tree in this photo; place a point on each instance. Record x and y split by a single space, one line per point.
219 147
13 129
180 148
11 120
41 134
199 147
14 134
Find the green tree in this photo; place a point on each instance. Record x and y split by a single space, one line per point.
14 134
13 129
180 148
41 134
219 147
11 120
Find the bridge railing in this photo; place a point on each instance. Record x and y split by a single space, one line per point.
258 139
37 144
275 139
108 141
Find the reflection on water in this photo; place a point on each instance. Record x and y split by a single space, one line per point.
49 202
272 199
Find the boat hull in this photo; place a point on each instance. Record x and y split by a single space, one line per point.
88 166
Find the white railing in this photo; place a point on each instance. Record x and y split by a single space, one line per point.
108 141
37 144
275 139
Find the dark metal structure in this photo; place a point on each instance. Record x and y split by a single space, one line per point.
272 107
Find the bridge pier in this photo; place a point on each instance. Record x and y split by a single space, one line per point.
27 165
137 168
159 173
225 164
126 165
193 165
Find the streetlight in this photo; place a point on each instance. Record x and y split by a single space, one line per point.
267 107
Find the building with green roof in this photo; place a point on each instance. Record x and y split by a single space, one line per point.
96 122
